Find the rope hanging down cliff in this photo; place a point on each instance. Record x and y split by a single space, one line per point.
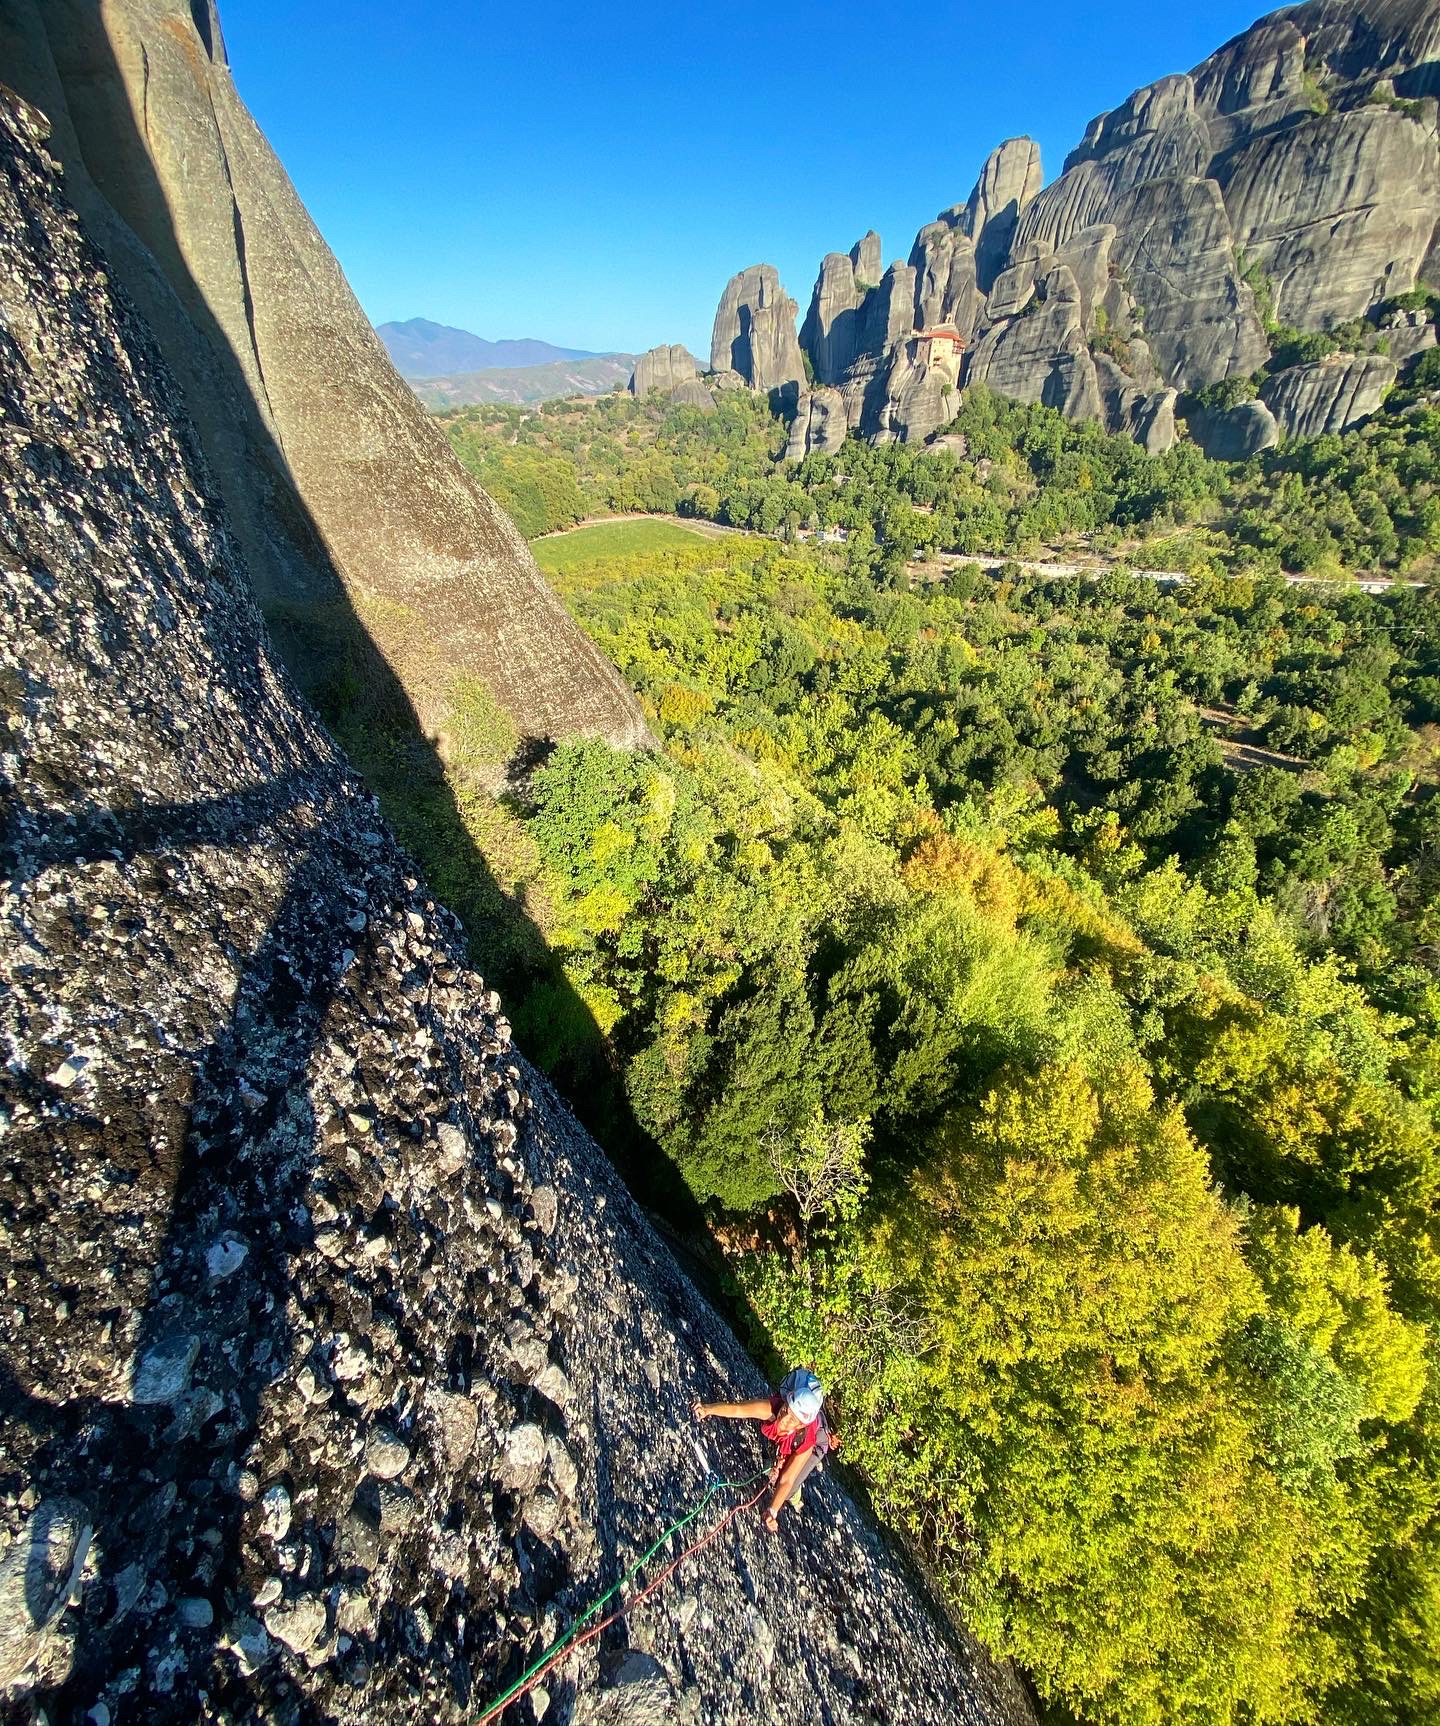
575 1637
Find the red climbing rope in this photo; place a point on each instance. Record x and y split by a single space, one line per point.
569 1646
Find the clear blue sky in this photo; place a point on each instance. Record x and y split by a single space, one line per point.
592 174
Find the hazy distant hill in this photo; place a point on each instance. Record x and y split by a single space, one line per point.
421 349
528 383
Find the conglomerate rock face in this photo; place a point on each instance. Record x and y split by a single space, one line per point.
337 1370
672 369
1293 176
754 334
337 483
1328 395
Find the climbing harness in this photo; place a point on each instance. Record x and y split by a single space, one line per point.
575 1637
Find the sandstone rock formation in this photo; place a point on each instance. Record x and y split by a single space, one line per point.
947 290
919 400
1027 311
754 333
820 424
335 480
1292 178
667 369
1147 418
832 333
1009 180
339 1371
858 333
1235 433
1022 351
1329 396
1408 335
866 259
1338 210
1284 160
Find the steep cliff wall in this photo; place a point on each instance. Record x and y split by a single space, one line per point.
337 1370
1291 179
754 334
333 475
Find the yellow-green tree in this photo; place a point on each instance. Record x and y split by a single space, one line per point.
1117 1530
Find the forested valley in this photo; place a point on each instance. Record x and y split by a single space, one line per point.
1033 980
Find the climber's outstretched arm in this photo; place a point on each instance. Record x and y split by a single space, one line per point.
760 1409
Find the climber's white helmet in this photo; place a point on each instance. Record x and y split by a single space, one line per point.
802 1393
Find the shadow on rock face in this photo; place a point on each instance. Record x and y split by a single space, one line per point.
322 1313
235 1402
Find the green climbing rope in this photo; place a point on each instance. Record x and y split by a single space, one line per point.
558 1647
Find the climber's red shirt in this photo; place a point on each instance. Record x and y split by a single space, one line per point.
789 1444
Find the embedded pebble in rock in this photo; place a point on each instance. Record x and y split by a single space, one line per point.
524 1457
760 1636
39 1574
542 1514
299 1626
529 1351
225 1258
351 1362
638 1693
354 1613
251 1645
197 888
163 1373
452 1149
196 1613
359 1542
457 1420
545 1208
385 1455
398 1507
129 1586
276 1508
562 1467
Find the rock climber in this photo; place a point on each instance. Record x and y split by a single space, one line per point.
793 1419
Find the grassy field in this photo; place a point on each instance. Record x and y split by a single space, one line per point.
559 551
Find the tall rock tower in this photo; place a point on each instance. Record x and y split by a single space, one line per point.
754 333
337 484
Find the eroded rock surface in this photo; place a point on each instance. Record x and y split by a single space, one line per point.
754 334
1291 179
337 483
820 425
674 371
339 1371
1234 433
1330 395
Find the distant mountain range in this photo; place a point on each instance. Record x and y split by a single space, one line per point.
529 383
421 349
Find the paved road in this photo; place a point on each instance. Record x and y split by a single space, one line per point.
1053 570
